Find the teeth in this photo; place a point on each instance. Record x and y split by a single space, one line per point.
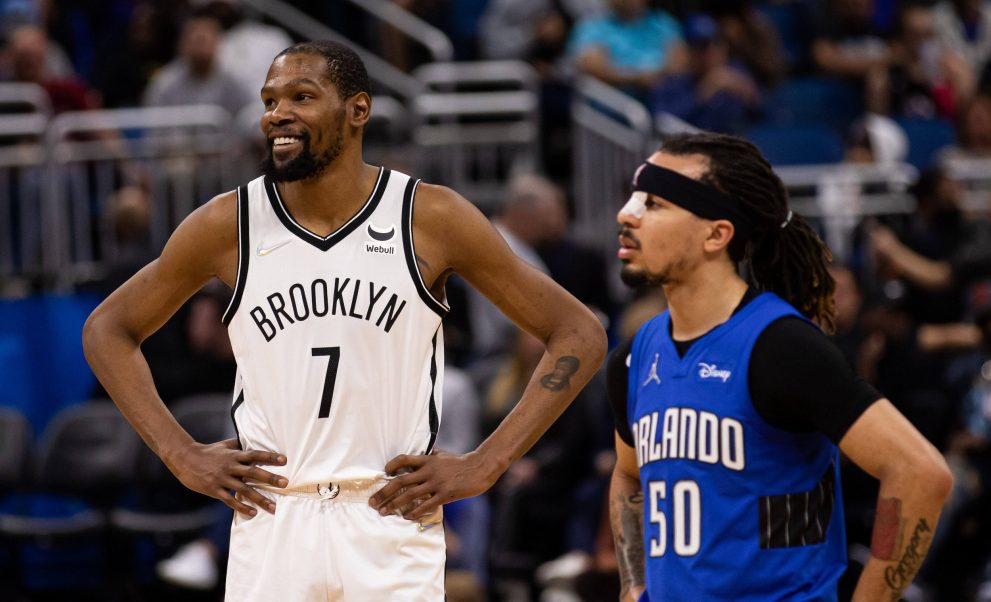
283 140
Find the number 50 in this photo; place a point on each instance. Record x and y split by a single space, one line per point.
686 510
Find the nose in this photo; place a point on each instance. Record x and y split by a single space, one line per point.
279 113
630 214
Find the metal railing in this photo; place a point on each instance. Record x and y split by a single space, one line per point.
24 97
303 25
475 125
180 155
435 40
612 134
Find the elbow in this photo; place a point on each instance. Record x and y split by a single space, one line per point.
939 479
930 475
596 340
91 330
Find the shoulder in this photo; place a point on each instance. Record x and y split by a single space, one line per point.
435 203
789 332
212 227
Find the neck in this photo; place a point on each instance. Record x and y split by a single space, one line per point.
322 204
703 301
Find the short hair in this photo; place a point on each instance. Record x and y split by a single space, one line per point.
344 67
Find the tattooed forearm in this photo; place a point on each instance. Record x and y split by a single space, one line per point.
626 516
885 540
560 378
900 575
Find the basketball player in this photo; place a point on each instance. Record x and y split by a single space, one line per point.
338 271
732 405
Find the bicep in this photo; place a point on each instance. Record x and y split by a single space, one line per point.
477 252
814 389
882 439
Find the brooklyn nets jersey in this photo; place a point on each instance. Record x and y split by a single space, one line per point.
337 339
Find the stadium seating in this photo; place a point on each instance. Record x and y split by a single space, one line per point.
797 145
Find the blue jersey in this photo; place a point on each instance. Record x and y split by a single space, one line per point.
734 508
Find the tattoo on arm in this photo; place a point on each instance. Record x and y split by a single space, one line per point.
626 516
559 379
887 545
887 529
898 576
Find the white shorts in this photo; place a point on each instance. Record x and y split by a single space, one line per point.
329 545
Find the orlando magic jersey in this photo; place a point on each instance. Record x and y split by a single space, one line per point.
734 508
337 339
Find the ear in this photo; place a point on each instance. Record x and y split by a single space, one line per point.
721 232
359 109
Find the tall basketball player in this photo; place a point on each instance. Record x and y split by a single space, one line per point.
732 406
338 271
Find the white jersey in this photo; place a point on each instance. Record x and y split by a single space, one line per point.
339 349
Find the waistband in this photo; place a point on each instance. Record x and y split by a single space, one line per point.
350 491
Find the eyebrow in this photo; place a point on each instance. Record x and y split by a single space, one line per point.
305 81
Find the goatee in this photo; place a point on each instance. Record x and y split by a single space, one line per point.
303 166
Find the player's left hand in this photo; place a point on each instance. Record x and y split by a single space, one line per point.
423 483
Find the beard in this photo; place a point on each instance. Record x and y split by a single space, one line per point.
638 278
303 166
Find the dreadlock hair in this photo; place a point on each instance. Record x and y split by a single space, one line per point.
784 257
344 67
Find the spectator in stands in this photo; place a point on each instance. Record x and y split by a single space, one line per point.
712 94
924 80
537 31
248 45
848 45
534 501
935 230
751 39
849 335
30 51
632 47
973 125
964 27
969 260
580 269
196 76
519 221
959 556
122 76
532 30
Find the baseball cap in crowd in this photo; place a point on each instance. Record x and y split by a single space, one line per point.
700 29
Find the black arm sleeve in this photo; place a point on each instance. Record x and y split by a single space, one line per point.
800 381
617 384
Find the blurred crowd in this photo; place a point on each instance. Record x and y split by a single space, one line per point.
913 290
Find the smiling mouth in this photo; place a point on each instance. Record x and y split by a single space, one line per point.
284 141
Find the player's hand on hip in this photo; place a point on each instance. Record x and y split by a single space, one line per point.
424 483
221 470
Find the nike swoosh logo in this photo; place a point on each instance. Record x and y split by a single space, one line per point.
381 236
262 251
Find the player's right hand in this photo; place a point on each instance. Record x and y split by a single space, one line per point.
221 470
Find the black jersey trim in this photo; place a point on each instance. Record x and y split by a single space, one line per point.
407 226
243 254
326 242
237 404
434 418
798 519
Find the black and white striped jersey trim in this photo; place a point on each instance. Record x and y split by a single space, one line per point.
798 519
407 226
243 254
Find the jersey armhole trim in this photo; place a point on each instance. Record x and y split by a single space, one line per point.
243 254
439 308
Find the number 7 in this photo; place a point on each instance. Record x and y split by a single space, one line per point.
334 353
